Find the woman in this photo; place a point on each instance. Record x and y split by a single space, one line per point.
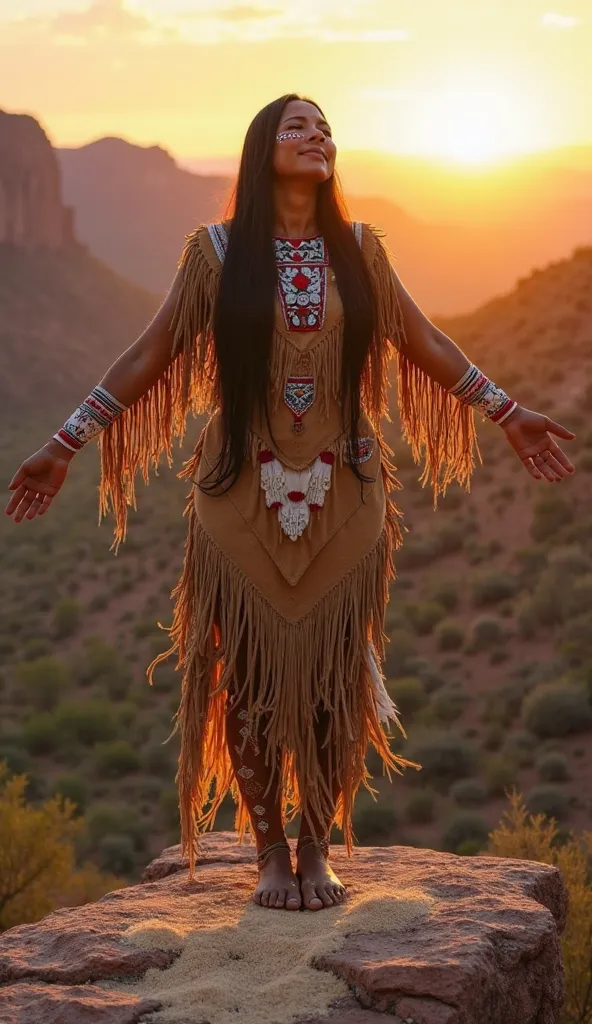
280 324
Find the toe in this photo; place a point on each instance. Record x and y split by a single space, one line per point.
280 900
293 902
312 900
265 898
272 898
326 895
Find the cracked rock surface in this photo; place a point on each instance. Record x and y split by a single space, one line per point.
488 953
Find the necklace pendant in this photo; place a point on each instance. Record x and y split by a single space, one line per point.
298 426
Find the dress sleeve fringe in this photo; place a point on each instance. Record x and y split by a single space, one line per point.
144 432
440 430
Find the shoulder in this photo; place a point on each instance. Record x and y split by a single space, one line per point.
370 239
207 242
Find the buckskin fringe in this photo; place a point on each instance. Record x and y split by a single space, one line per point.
440 430
144 432
322 361
292 668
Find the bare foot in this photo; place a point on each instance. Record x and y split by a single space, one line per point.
278 886
319 885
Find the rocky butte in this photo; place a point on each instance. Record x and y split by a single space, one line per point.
424 937
31 210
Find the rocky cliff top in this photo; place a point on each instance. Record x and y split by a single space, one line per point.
32 213
426 937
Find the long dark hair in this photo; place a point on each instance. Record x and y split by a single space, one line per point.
243 320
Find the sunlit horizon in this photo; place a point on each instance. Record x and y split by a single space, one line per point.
453 83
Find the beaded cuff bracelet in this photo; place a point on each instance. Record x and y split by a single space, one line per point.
96 413
475 389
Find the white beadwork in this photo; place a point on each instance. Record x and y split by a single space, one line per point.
273 481
320 482
263 826
245 773
259 809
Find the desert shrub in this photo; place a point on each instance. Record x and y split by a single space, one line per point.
420 808
503 704
549 800
493 737
553 767
486 632
103 665
557 709
408 693
41 733
159 761
450 635
14 755
104 819
447 705
468 792
116 854
88 722
169 809
444 592
465 827
575 640
43 681
551 512
74 788
520 835
492 587
36 852
115 758
374 823
444 757
67 615
36 647
402 646
499 773
424 615
520 747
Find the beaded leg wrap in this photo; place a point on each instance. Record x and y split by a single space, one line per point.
267 850
321 842
253 776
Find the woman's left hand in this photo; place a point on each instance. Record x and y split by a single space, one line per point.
529 433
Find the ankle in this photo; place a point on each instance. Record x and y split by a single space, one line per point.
313 846
273 851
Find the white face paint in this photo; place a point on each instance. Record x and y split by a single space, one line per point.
283 136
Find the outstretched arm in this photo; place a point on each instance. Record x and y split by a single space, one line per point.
41 476
529 433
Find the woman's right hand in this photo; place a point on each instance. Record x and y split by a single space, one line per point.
37 481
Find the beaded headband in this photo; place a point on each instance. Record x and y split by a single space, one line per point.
289 135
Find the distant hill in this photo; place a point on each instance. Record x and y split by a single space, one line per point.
135 205
458 239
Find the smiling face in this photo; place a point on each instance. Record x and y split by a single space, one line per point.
304 148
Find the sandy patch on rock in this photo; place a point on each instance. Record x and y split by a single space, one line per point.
255 965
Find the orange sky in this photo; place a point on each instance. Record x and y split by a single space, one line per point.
465 79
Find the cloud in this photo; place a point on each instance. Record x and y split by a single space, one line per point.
553 20
371 35
102 20
246 12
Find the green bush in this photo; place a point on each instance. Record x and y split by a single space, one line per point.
116 758
444 592
169 809
486 632
74 788
548 800
36 647
444 757
88 722
67 615
520 746
420 809
553 767
159 761
105 667
557 709
408 693
468 792
43 681
465 827
551 513
450 635
116 854
500 772
41 734
491 587
375 823
402 646
575 640
104 819
424 615
446 706
503 705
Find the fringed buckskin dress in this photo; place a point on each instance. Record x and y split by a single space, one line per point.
295 559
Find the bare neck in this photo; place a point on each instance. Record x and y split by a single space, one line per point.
295 210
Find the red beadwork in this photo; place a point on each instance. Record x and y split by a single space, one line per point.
327 457
296 495
301 281
265 455
276 504
314 507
